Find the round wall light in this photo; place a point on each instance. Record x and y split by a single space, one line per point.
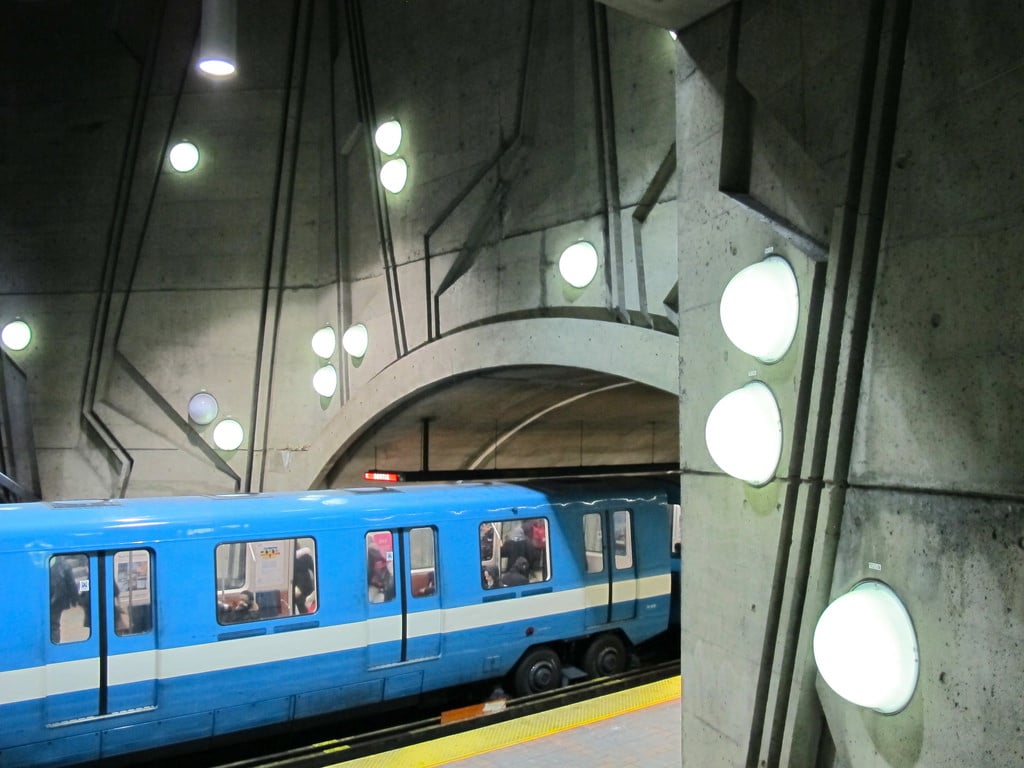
578 264
16 335
356 340
394 174
184 156
760 308
744 433
325 381
388 137
324 342
202 408
228 434
866 648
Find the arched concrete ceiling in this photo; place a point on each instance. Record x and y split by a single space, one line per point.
534 392
670 14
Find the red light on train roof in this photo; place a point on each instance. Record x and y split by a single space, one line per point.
376 476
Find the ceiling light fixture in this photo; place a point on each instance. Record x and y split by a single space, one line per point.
866 648
325 381
16 335
760 309
184 156
578 264
324 342
744 433
356 340
202 408
388 137
394 174
217 38
228 434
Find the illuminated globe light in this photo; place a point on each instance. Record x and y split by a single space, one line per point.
202 408
760 308
16 335
324 342
184 156
388 137
578 264
325 381
394 174
744 433
356 340
228 434
217 67
866 650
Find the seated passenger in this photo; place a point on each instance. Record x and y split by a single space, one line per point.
519 575
379 579
489 576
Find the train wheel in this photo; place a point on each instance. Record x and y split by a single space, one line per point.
606 655
540 670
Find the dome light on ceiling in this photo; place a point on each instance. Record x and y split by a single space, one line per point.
744 433
578 264
228 434
202 408
16 335
760 308
325 381
388 137
184 156
356 340
324 342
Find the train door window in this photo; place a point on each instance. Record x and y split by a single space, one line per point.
133 592
422 562
380 567
265 579
69 598
593 543
622 524
677 529
514 552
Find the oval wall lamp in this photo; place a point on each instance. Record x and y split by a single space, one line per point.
16 335
578 264
228 434
356 340
184 156
388 137
866 649
744 433
394 174
324 342
202 408
217 38
325 381
760 309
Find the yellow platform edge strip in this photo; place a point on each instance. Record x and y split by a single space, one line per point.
500 735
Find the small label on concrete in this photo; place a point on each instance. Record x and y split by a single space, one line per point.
875 566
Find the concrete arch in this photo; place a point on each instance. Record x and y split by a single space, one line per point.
631 352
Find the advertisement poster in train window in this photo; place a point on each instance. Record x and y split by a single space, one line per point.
270 564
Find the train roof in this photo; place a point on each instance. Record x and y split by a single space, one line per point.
99 523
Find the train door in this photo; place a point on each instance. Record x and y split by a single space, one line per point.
610 567
87 673
402 592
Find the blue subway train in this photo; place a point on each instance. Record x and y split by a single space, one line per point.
134 624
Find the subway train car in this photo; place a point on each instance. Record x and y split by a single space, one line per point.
138 623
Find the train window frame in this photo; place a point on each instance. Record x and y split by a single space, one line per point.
593 542
422 569
380 566
496 537
65 593
623 545
269 589
134 593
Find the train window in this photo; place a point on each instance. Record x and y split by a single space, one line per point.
677 529
380 567
133 592
422 562
623 539
265 579
593 542
69 598
514 552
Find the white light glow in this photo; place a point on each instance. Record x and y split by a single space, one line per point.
324 342
866 648
184 156
394 174
578 264
228 434
202 408
744 433
388 137
16 335
325 381
356 340
760 309
217 38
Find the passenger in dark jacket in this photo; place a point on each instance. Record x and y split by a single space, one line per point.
519 575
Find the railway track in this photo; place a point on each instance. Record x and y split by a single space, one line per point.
330 751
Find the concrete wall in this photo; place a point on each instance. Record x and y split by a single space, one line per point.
887 133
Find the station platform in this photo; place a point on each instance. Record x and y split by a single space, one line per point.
637 728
